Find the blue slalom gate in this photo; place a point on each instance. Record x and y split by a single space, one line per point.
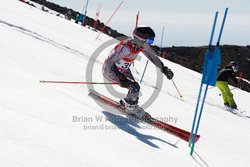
209 76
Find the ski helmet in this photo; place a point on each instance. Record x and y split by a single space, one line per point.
234 65
144 34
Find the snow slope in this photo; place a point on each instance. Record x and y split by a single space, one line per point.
37 121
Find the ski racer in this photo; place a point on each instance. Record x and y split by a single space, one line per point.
222 83
117 66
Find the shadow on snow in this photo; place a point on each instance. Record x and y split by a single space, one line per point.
130 125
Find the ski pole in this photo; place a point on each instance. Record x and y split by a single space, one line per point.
228 91
67 82
176 88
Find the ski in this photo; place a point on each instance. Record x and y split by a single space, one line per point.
236 112
182 134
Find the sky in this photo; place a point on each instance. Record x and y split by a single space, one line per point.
187 23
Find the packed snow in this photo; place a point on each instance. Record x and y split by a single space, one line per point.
60 125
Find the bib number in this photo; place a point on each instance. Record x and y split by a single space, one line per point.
122 64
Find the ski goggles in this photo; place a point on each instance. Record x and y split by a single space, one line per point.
149 41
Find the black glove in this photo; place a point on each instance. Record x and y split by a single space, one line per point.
124 82
166 71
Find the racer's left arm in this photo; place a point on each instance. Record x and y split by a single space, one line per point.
151 55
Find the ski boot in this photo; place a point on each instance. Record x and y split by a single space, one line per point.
134 109
226 106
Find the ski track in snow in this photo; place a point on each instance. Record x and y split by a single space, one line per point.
239 112
47 40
